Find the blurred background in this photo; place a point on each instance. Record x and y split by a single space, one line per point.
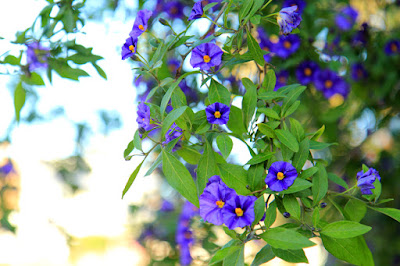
62 166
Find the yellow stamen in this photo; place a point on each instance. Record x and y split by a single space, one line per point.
266 49
206 58
280 176
132 48
393 47
307 71
282 79
188 235
141 27
287 44
328 84
217 114
239 212
220 204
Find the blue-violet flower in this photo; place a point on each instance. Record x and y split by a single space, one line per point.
281 176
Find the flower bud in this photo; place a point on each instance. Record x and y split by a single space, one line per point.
323 205
286 214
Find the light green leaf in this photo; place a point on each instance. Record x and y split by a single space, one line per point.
279 237
207 167
292 97
298 185
128 150
131 179
291 255
296 129
256 176
315 217
178 177
270 95
259 210
269 81
235 122
292 108
137 141
391 212
300 157
269 112
259 158
19 100
249 103
266 130
318 133
218 93
189 154
308 172
355 210
263 256
337 180
270 214
229 248
344 229
154 165
292 206
255 49
287 138
235 258
171 118
225 144
235 177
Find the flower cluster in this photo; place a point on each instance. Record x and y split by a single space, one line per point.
184 236
281 176
282 46
365 180
220 204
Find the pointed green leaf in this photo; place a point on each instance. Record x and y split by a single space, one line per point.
171 118
287 138
154 165
235 122
291 255
249 103
131 179
234 176
259 158
269 81
256 176
189 154
225 144
255 50
308 172
207 167
292 206
296 129
300 157
355 210
270 214
344 229
19 100
337 180
269 112
218 93
320 184
266 130
279 237
391 212
259 210
263 256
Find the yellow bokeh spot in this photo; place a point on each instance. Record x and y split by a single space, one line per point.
307 71
274 38
280 176
132 48
336 100
206 58
239 212
220 203
217 114
141 27
328 84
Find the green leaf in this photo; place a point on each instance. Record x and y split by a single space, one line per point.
12 60
171 118
225 144
182 39
300 157
154 165
355 210
263 256
235 177
65 71
315 217
292 108
318 133
235 258
269 113
245 10
344 229
207 167
296 129
266 130
320 184
353 250
270 214
100 71
279 237
292 206
337 180
137 141
259 158
287 138
291 255
189 154
128 150
218 93
376 192
298 185
315 145
19 100
391 212
235 122
249 103
231 247
292 97
256 176
178 177
68 20
255 49
208 6
131 179
259 209
270 95
269 81
308 172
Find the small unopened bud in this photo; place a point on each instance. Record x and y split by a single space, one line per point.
323 205
142 130
164 22
286 214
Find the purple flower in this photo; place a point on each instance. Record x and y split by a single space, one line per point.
305 72
129 47
140 25
392 47
184 236
346 18
143 116
167 206
206 56
173 65
239 211
191 94
173 133
358 71
213 200
287 45
6 168
197 11
37 56
330 84
365 180
361 37
174 9
299 3
184 255
217 113
281 176
265 43
288 19
281 79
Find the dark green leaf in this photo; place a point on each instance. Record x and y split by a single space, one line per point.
189 154
308 172
315 217
300 157
235 122
100 71
218 93
171 118
269 112
259 210
269 81
266 130
287 139
207 167
259 158
225 144
291 255
298 185
270 214
178 177
255 49
292 108
315 145
256 176
263 256
283 238
131 179
320 184
296 129
270 95
292 206
234 176
245 10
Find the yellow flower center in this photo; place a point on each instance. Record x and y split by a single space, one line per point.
206 58
174 10
217 114
220 204
141 27
393 47
266 49
307 71
239 212
132 48
287 44
328 84
274 38
188 235
282 79
280 176
336 100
